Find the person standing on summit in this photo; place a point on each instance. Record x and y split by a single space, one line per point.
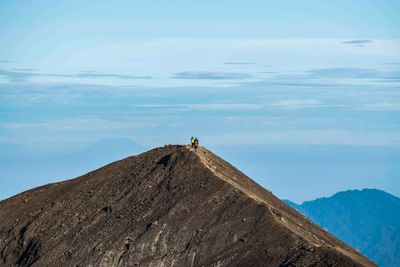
194 142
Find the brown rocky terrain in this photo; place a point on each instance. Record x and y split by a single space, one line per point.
170 206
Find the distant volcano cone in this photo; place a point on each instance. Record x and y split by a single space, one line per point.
170 206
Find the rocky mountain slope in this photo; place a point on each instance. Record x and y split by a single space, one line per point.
170 206
367 219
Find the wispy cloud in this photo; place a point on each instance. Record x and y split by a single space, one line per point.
214 106
211 75
307 137
344 73
354 73
383 106
94 74
357 42
23 75
240 63
24 69
15 76
283 80
293 104
5 61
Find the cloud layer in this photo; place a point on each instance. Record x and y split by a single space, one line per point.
24 74
240 63
212 75
358 42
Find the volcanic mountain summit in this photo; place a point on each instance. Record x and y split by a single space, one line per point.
170 206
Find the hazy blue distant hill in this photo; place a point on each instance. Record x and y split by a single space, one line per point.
113 146
21 169
6 149
368 220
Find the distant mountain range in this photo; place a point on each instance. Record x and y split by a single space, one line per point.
368 220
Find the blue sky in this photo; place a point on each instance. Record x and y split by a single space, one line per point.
286 90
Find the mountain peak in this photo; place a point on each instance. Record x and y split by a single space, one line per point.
168 206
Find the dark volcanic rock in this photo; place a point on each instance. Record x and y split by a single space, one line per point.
170 206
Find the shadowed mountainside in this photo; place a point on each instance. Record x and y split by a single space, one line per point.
170 206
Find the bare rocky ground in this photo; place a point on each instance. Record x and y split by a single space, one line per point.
170 206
